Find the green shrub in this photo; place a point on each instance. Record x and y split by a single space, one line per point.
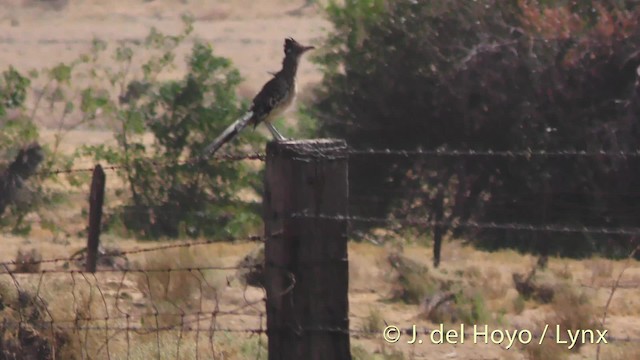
168 195
17 132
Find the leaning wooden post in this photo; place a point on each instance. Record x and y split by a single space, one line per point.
307 272
96 199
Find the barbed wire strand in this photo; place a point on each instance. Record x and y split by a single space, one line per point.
529 153
477 225
120 253
494 153
223 157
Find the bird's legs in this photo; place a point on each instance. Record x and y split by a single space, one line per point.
276 134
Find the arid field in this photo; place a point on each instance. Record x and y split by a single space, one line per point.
383 278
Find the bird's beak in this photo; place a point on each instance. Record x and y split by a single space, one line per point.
307 48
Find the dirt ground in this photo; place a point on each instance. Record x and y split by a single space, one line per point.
38 34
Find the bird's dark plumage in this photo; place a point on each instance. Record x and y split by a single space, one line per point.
278 93
273 94
272 100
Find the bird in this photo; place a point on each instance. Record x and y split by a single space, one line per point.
274 98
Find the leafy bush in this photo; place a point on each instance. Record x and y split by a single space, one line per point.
489 75
26 332
167 194
170 195
56 97
17 132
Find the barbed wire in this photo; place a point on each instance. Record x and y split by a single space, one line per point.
493 153
195 161
118 318
529 153
199 316
477 225
134 270
118 253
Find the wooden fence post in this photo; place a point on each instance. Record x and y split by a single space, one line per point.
307 272
96 199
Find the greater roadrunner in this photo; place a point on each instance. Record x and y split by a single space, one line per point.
274 98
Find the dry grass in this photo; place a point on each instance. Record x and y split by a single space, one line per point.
600 269
373 323
413 280
519 304
620 351
572 310
175 344
549 350
563 272
487 280
178 292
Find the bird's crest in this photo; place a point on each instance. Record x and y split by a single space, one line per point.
292 46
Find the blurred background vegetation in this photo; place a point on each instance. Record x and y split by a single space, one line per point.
490 75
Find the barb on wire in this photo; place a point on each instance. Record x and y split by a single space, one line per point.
479 225
495 153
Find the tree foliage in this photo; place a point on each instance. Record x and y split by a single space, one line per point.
490 75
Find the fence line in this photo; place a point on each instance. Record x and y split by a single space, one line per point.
252 238
132 270
122 318
113 328
220 158
493 153
201 315
354 332
109 312
528 153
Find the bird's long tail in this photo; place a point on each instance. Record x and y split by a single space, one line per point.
228 134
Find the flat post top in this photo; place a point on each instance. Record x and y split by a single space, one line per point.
309 148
